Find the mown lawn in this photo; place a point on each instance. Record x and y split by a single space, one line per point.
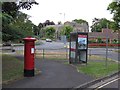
12 68
97 67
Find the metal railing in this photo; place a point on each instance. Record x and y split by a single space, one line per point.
62 54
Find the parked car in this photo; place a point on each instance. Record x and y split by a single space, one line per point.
48 40
6 44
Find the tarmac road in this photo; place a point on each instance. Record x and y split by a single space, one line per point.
59 45
102 52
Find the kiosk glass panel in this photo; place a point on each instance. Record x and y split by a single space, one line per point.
82 41
73 48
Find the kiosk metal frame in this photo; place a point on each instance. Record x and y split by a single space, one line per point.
78 47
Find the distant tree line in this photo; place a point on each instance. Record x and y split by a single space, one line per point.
98 24
15 24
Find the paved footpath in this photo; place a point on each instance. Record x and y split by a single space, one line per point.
53 75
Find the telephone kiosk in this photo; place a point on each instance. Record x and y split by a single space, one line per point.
78 47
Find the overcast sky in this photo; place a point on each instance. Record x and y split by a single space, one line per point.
68 10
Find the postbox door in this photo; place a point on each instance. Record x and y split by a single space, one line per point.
29 56
32 52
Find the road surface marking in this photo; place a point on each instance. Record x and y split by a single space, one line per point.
107 83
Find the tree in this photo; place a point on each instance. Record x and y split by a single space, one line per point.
59 23
50 32
36 30
66 31
99 40
80 21
98 24
40 27
11 8
27 5
19 28
114 7
15 24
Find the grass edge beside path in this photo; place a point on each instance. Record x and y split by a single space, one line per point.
13 69
97 68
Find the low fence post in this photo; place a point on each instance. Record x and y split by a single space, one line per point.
43 53
89 54
12 48
66 53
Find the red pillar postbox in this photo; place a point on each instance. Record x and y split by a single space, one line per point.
29 50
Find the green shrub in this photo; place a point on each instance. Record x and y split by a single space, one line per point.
92 41
43 38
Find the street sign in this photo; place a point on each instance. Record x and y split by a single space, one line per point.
63 39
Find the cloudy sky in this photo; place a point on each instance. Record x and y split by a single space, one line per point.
68 10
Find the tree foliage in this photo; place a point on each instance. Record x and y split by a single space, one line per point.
15 24
114 7
80 21
36 30
27 5
66 31
50 32
43 25
98 24
19 28
11 8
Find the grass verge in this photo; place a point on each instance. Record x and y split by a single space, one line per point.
97 68
97 57
12 68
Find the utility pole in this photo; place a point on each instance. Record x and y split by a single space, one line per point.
64 18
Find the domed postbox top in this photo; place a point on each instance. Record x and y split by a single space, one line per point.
29 39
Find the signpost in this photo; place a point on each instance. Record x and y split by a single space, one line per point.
63 39
106 49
